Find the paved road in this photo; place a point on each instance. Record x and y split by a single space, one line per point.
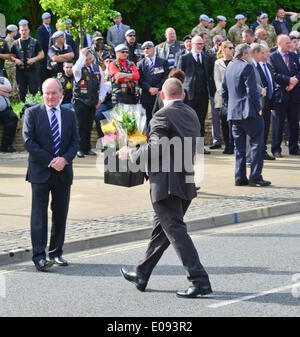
254 269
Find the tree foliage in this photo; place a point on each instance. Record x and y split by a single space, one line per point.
90 15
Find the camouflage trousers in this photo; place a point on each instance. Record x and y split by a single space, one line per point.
11 75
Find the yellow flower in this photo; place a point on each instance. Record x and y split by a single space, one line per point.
137 138
108 128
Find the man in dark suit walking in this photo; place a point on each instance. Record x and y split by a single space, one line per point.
50 136
171 190
286 69
240 95
153 73
44 33
199 82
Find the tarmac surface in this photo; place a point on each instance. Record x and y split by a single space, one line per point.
102 214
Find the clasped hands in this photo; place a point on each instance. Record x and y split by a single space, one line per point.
293 82
59 163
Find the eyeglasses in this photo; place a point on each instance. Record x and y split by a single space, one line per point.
124 51
199 44
146 48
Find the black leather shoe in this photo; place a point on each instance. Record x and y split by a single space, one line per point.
197 188
90 153
80 154
206 152
59 261
132 277
194 291
261 183
215 146
268 157
243 182
43 264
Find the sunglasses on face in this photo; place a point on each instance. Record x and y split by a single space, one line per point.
124 52
131 35
146 48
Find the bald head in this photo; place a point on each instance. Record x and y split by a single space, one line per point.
283 43
197 44
172 89
52 92
170 35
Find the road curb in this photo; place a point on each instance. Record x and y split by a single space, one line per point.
24 254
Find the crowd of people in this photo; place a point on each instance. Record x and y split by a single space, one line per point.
101 75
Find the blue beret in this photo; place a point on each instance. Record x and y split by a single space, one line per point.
23 22
211 20
46 15
12 28
68 21
147 44
120 47
129 31
264 15
57 34
221 18
204 17
239 17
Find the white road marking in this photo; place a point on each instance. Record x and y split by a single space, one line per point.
245 298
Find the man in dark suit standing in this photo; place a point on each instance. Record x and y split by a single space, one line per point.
240 95
44 33
199 82
171 190
267 78
50 136
286 69
153 73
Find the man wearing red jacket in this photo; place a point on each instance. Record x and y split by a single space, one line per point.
124 76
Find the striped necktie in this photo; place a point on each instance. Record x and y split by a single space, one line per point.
151 66
55 132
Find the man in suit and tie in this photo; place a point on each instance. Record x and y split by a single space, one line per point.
153 73
116 33
240 95
199 81
44 33
267 78
286 69
171 190
50 136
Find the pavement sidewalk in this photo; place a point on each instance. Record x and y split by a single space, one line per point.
102 214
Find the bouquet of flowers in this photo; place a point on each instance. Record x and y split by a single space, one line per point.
124 125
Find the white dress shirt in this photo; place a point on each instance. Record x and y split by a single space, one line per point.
195 56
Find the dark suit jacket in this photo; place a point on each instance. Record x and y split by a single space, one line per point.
44 38
37 138
267 101
239 91
148 80
186 63
175 120
282 77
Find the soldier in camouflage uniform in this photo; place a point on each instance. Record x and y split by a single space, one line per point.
219 29
235 32
270 30
201 27
10 67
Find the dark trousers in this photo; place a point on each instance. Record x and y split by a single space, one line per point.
289 109
85 117
44 73
148 105
10 122
105 106
27 80
254 128
267 119
60 194
226 131
200 105
169 228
